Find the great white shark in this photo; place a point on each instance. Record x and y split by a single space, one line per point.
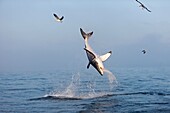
95 60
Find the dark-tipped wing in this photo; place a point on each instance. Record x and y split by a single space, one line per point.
62 18
139 2
147 9
56 16
143 6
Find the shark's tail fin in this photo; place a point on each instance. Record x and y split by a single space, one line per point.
85 35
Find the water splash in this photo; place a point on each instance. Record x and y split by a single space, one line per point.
112 79
91 86
71 90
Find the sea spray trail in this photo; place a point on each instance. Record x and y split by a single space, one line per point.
112 79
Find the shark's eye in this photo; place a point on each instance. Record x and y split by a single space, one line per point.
101 68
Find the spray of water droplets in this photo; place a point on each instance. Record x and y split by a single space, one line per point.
112 79
73 90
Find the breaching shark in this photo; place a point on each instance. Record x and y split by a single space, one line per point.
95 60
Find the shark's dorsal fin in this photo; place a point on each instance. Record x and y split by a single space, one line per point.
105 56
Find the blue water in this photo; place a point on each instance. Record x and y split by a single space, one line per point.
136 90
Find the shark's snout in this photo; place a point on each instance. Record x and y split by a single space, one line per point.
101 70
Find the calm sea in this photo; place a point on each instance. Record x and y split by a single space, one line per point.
136 90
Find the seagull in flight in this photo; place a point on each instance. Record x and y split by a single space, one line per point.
144 51
143 6
58 18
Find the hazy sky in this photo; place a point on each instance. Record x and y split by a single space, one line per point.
30 38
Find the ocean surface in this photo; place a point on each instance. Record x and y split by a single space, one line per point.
135 90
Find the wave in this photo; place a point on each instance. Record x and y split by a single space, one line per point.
80 97
93 96
50 97
71 92
140 93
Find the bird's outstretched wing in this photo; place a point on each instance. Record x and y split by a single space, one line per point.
62 18
143 6
147 9
139 2
56 16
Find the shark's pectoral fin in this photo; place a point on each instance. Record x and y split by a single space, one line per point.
88 65
105 56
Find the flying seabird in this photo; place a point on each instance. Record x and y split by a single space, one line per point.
58 18
143 6
144 51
